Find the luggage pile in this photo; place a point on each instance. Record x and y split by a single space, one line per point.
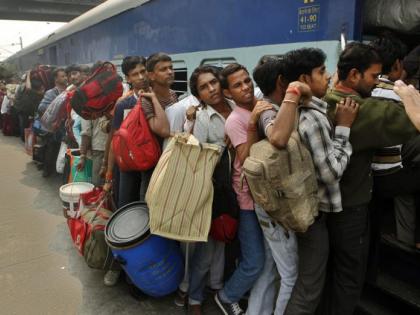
87 226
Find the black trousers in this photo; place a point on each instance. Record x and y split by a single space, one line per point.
133 186
313 251
404 182
333 251
349 241
52 147
23 123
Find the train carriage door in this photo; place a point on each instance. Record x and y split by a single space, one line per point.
218 62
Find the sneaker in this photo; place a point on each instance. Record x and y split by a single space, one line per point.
111 277
194 309
228 308
180 298
135 292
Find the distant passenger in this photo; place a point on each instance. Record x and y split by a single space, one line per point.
27 98
60 79
93 145
52 140
76 75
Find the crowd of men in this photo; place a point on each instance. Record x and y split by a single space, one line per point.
359 126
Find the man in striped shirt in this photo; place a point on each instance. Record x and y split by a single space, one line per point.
330 150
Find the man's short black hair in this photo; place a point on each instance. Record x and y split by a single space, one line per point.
85 69
197 72
154 59
72 68
267 58
390 49
56 71
356 56
130 62
302 61
412 63
266 75
227 71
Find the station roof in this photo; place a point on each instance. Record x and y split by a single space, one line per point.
100 13
45 10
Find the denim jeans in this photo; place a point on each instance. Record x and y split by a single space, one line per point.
187 249
133 186
281 259
252 258
206 255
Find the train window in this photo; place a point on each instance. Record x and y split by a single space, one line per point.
218 62
266 58
180 85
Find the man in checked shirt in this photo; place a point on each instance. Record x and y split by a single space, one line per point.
328 143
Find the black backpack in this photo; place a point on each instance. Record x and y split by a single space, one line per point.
225 208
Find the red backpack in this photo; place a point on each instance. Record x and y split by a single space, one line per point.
98 94
45 75
135 147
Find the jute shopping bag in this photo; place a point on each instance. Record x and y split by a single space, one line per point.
180 192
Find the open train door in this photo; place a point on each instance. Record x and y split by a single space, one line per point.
393 277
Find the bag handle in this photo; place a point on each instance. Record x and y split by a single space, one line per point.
140 105
101 68
104 196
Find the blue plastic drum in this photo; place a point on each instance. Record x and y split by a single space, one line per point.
154 264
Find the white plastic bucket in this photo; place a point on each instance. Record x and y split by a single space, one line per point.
70 195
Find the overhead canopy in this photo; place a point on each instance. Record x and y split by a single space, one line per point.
100 13
45 10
